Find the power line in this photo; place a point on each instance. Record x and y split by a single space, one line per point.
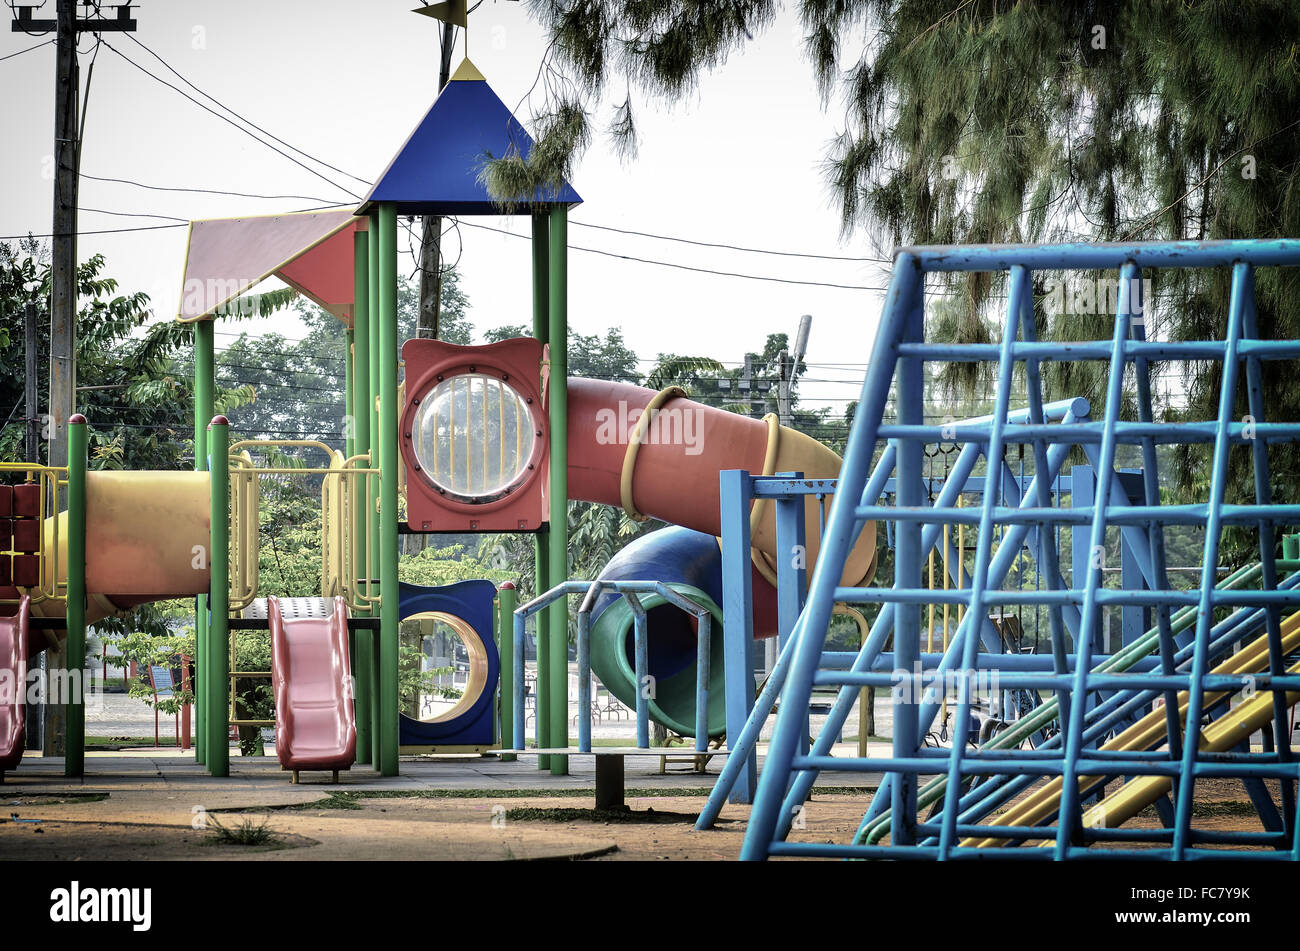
248 121
79 233
28 50
687 267
132 214
733 247
231 122
204 191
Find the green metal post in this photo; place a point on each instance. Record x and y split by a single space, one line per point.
541 541
389 619
506 651
204 387
219 598
349 429
558 649
359 426
1291 546
372 501
74 763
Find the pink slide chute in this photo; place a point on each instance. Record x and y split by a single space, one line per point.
315 727
13 686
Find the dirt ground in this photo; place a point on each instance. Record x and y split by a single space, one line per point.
361 825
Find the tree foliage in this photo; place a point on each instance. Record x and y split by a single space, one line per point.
1012 121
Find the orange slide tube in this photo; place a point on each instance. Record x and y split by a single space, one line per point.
665 464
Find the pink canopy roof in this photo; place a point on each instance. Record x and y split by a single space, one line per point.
310 251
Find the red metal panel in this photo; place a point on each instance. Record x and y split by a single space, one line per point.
6 501
27 500
522 505
27 571
27 534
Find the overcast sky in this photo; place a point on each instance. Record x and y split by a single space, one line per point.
738 163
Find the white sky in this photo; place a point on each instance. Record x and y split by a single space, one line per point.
737 163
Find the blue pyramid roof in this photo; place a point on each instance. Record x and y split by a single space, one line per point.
436 172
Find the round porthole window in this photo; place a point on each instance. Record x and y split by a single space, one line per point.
473 437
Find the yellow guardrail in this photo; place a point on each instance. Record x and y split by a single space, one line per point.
348 565
50 479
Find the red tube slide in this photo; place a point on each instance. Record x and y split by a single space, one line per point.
315 727
671 473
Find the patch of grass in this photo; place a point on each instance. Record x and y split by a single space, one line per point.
50 799
120 742
245 833
1223 807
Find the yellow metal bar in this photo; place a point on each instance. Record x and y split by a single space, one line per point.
451 436
863 630
929 638
1149 731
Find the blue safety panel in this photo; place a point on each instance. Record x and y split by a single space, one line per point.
437 170
471 601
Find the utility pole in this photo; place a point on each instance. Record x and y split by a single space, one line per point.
787 367
431 227
31 406
451 15
63 257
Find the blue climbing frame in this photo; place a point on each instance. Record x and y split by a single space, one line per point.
1107 699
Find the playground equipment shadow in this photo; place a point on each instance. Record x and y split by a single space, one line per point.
160 805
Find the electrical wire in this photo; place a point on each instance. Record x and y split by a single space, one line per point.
687 267
245 119
731 247
29 49
207 191
231 122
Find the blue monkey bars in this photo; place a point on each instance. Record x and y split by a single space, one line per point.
1087 701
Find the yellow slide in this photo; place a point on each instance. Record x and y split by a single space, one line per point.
1151 730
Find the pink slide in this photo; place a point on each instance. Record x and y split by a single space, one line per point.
315 727
13 687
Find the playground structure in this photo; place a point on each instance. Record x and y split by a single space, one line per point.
485 439
498 438
1109 728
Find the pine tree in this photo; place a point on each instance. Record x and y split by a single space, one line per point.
986 121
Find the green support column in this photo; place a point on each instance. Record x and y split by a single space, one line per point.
1291 546
74 763
359 426
349 428
219 598
372 502
558 649
541 554
204 386
387 319
506 651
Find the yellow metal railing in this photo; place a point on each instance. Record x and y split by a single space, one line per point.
348 565
50 479
345 487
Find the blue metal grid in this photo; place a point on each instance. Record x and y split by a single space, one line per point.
1090 701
